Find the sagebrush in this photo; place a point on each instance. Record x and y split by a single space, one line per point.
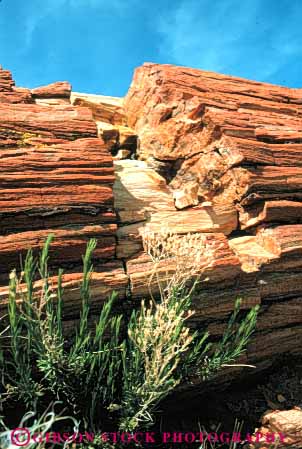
113 372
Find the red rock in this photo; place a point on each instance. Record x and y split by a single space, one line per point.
271 212
48 180
11 94
69 242
60 89
104 109
6 80
63 189
17 95
229 147
105 279
237 141
21 122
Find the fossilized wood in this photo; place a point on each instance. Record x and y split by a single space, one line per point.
46 180
143 200
222 158
69 242
104 108
105 279
271 212
11 94
236 142
19 122
223 268
16 95
60 89
6 80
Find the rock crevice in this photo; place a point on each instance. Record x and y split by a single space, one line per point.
205 153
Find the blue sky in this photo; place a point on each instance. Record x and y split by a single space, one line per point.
96 44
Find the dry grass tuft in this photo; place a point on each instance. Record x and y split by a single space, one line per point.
178 259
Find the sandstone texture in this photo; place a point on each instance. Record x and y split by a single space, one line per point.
187 150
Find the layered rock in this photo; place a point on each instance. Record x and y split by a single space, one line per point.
56 178
53 94
9 93
225 140
235 146
143 199
22 122
109 114
220 157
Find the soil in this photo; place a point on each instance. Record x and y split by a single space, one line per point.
244 403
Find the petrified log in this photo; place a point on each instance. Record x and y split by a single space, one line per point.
11 94
110 119
231 145
142 198
54 94
20 122
45 180
63 189
105 279
104 109
6 80
222 159
53 181
236 142
60 89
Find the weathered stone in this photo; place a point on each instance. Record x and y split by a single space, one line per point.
64 190
122 154
60 89
127 138
11 94
109 133
117 136
16 95
6 81
277 211
238 140
52 179
69 242
104 109
51 101
105 279
186 197
21 122
284 425
142 197
222 157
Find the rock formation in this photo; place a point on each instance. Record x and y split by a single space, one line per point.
206 153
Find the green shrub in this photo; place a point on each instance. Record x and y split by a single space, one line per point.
108 373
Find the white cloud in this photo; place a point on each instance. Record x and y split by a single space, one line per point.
37 12
40 10
230 36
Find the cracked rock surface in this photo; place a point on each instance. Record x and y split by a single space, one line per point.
206 153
